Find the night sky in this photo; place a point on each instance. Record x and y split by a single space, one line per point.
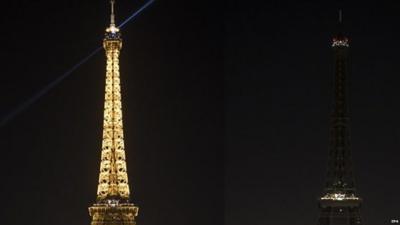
226 109
172 79
279 83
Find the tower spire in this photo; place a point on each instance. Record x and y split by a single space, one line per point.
112 17
340 16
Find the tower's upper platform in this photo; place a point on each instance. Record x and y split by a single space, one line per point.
112 33
340 41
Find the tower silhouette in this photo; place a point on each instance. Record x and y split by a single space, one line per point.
339 204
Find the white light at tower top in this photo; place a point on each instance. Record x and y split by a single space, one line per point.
340 42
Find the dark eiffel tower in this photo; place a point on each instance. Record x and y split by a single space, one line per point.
340 204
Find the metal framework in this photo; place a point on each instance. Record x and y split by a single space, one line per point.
113 206
339 204
113 179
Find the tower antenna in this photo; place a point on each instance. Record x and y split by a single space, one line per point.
112 13
340 16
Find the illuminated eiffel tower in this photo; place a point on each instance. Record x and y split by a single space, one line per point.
339 204
113 205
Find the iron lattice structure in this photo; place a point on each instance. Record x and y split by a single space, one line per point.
339 204
113 205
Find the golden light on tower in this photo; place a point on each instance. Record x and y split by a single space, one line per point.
113 206
113 180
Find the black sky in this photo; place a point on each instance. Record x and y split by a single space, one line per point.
171 68
279 78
